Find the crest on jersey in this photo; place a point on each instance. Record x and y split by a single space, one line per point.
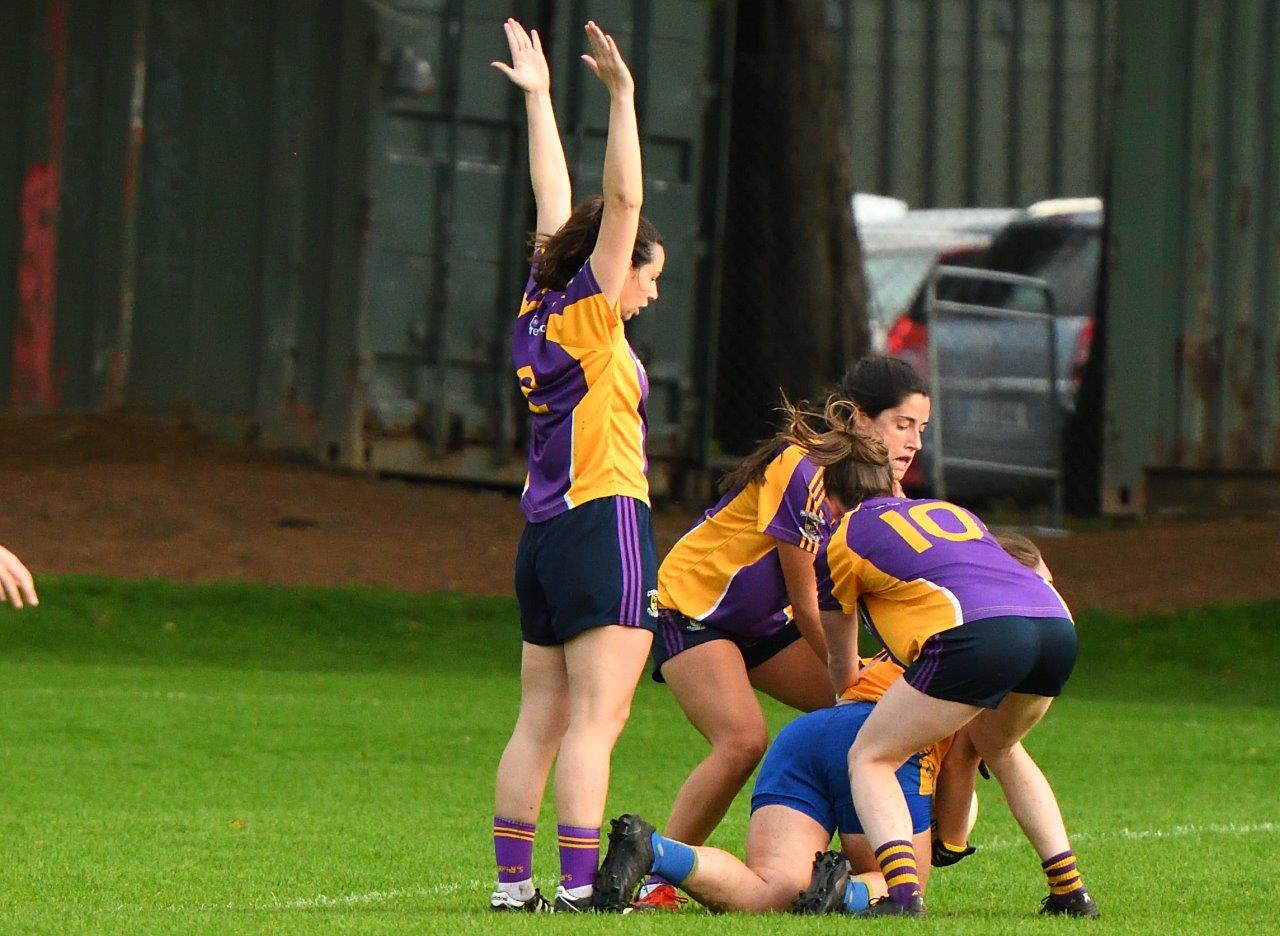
653 602
811 526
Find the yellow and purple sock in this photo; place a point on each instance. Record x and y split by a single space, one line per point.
897 861
579 856
1064 878
513 850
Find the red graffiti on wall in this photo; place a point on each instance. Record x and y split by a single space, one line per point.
33 331
32 382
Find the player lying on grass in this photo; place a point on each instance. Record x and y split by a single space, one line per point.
985 641
738 602
16 584
801 798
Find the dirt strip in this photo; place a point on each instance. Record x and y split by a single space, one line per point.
129 498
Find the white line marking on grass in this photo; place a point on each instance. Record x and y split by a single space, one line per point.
999 844
350 900
446 888
1179 831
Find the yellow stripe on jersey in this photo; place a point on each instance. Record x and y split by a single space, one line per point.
904 613
701 568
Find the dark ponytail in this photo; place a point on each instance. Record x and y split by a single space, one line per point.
557 258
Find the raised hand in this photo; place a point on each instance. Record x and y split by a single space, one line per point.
606 61
528 69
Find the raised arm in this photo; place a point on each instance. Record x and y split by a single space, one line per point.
623 179
16 584
528 71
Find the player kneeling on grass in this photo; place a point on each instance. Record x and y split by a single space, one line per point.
16 584
800 799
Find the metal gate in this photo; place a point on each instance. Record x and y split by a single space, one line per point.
997 400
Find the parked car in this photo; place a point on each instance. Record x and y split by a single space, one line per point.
998 412
902 247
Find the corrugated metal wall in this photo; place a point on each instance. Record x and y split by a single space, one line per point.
306 221
438 395
958 103
1193 361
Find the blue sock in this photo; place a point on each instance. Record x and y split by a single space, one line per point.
672 860
857 896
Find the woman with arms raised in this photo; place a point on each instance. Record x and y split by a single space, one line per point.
586 568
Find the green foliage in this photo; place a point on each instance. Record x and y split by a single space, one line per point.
231 758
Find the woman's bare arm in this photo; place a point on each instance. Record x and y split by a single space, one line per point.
548 171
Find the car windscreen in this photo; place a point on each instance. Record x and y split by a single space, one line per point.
1065 256
894 281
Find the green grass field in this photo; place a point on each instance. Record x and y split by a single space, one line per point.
232 758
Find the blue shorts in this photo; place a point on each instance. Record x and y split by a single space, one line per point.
587 567
807 769
677 633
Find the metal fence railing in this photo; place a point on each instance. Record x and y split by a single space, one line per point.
998 404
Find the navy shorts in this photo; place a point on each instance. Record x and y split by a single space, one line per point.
981 662
807 769
677 633
587 567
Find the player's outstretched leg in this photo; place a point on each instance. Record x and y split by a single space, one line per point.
997 735
626 863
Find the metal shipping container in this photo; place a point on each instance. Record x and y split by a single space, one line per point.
970 103
305 223
1193 322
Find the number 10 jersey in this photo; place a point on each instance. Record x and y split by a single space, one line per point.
919 567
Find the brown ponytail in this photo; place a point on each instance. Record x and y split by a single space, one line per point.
856 461
558 257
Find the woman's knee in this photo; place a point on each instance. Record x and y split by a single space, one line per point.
602 718
540 728
741 749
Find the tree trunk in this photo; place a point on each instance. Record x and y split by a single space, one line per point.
793 307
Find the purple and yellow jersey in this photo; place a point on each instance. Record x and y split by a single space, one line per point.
919 567
725 571
878 673
586 391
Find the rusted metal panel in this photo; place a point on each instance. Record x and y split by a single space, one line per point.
304 222
1194 303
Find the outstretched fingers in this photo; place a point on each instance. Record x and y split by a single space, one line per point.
605 60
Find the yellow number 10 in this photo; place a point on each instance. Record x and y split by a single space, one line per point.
922 514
